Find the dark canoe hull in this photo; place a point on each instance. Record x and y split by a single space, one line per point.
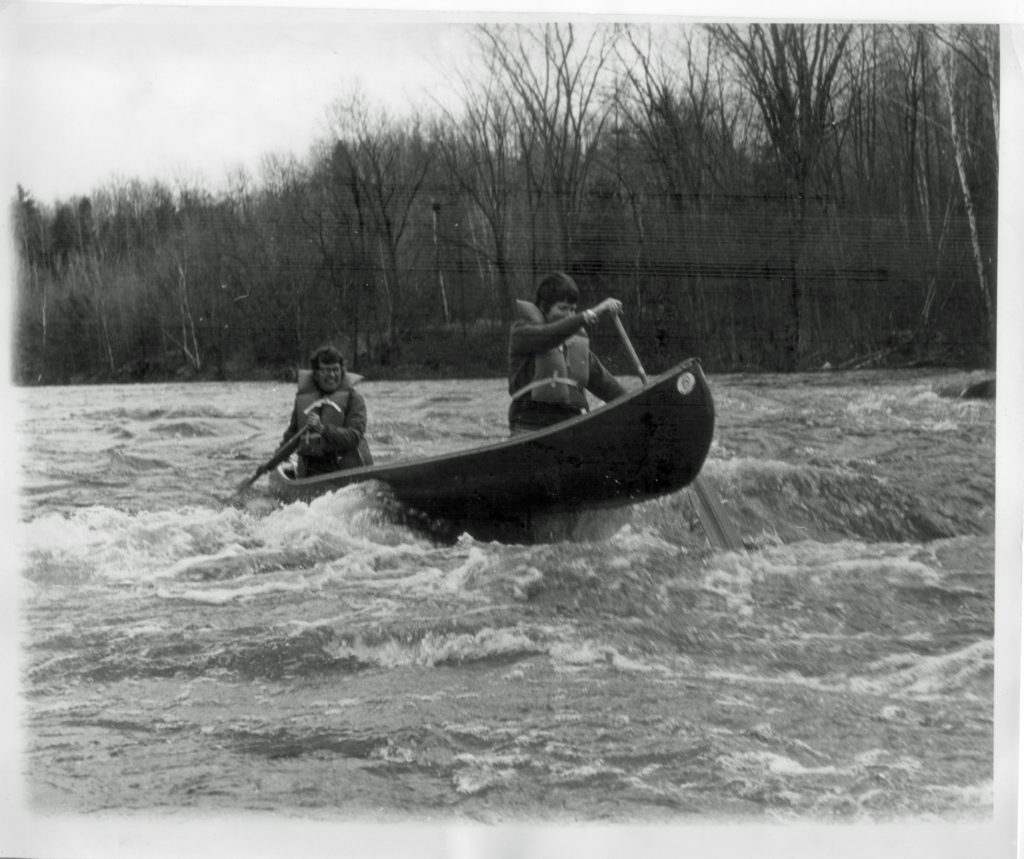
638 447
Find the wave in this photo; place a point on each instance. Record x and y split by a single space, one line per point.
187 429
152 413
913 674
363 535
120 462
213 544
787 502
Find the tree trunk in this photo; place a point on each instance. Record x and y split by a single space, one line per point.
188 325
947 71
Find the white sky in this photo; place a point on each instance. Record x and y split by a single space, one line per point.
96 92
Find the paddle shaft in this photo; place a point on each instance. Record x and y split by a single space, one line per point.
712 517
629 348
279 456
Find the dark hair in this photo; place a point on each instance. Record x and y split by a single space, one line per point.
556 286
326 355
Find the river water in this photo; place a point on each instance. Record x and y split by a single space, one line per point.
184 653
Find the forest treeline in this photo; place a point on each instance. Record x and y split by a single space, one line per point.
774 197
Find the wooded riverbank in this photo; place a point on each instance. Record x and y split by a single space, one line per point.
778 197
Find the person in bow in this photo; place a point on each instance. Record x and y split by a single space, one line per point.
332 415
550 365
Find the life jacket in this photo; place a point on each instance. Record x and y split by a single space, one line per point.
332 409
560 375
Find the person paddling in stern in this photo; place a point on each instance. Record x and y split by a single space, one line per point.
550 365
334 416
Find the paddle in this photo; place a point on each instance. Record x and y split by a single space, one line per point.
713 519
283 452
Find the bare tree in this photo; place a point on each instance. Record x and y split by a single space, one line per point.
384 167
671 108
30 235
670 101
790 70
278 300
554 84
972 46
478 153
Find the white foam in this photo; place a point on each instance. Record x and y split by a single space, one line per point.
928 675
885 758
476 564
486 642
789 678
926 397
898 569
734 573
437 648
945 425
769 762
635 666
645 540
234 550
476 780
120 545
974 795
579 653
338 535
223 596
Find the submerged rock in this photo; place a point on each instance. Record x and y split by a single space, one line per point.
982 390
963 389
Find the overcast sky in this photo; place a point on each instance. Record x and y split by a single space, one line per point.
100 92
91 93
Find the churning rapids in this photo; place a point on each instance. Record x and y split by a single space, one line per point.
186 653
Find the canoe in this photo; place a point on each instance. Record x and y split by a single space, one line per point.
648 443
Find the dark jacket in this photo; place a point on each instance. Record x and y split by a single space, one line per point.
342 444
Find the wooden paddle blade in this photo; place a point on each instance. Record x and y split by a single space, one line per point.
713 518
249 481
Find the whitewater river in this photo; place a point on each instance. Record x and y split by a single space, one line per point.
186 654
